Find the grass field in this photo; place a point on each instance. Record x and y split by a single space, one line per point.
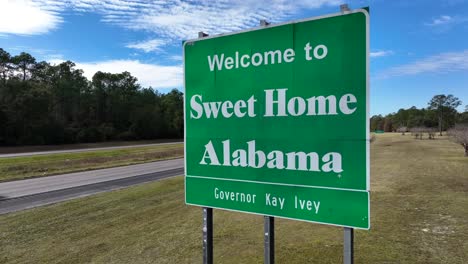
23 149
45 165
419 215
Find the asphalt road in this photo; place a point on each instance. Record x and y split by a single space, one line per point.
80 150
24 194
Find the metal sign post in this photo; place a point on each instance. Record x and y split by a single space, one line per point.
269 230
207 235
269 221
348 252
207 218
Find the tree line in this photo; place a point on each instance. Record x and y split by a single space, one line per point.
42 103
440 115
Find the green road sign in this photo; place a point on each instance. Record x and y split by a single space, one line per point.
277 120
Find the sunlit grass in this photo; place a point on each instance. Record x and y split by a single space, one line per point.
419 214
44 165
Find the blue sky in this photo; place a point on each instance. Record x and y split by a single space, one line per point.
418 48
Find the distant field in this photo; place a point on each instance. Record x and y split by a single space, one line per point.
419 215
17 168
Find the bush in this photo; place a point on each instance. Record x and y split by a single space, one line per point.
106 131
459 134
127 135
418 132
89 134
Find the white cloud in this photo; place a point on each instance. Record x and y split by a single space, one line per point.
440 63
54 57
176 58
442 20
38 53
148 46
380 53
443 23
154 75
178 20
171 19
27 17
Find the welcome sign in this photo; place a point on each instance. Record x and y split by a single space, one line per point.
276 120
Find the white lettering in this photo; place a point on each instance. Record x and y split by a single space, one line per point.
259 59
196 106
288 55
216 61
238 107
332 162
212 108
301 106
276 160
269 102
307 49
225 107
209 149
322 105
301 157
229 63
256 158
272 55
243 63
251 106
324 52
344 101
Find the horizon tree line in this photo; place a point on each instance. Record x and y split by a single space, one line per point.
42 103
441 114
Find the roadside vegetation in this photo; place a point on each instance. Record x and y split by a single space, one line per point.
419 194
17 168
43 103
90 146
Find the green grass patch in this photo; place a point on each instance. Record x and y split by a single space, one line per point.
17 168
36 148
419 215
